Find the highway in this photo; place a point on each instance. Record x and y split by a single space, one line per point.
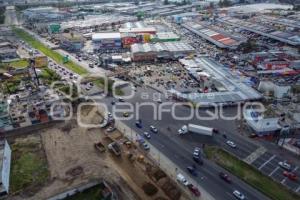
179 148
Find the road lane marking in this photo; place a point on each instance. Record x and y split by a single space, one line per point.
274 171
266 162
298 189
256 154
283 180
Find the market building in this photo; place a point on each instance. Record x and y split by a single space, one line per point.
106 40
165 50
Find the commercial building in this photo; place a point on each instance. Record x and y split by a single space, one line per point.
106 40
44 14
217 37
71 42
278 91
261 126
166 50
7 51
165 37
233 91
291 38
146 30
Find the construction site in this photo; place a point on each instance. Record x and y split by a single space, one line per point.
71 157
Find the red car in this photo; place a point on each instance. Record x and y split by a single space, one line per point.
225 177
194 190
290 175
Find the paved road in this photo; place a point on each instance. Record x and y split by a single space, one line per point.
179 148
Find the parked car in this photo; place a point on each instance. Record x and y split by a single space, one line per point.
125 114
146 146
285 165
194 190
231 143
121 99
292 176
238 195
225 177
153 129
181 179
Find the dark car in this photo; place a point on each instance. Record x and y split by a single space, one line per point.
138 124
192 170
225 177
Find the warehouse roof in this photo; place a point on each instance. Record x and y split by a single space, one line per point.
167 35
101 36
159 47
137 30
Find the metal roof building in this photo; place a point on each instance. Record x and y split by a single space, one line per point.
103 36
286 37
221 39
170 50
236 90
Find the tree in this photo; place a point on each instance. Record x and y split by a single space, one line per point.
166 2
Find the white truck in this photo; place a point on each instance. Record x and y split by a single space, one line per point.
203 130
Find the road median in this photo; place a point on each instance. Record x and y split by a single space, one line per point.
21 33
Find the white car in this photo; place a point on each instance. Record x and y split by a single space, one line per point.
147 135
180 178
231 144
285 165
238 195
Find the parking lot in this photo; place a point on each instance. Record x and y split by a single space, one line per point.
268 165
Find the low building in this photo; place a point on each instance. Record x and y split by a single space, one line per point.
71 42
5 121
165 37
5 162
278 91
166 50
8 54
149 30
106 40
261 126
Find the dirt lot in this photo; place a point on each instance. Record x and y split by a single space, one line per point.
73 160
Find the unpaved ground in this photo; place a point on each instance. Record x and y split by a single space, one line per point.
73 160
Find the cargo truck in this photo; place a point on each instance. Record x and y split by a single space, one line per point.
193 128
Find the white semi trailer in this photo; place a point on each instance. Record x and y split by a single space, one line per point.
193 128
